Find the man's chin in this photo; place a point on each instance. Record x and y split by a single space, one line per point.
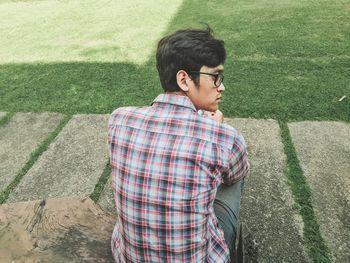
213 109
210 108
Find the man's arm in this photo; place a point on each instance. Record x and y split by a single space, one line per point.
238 162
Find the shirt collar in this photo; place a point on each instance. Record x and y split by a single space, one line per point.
179 100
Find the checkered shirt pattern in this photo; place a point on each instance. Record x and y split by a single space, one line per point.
167 163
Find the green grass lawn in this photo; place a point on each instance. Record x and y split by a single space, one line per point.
287 60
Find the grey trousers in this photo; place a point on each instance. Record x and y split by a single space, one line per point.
226 206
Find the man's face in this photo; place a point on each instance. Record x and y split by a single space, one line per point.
206 96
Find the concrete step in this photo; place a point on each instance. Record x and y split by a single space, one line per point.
73 163
273 229
19 138
2 114
323 149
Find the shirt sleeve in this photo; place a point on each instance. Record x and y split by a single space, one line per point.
238 162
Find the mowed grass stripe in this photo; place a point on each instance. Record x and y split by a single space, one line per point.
315 244
101 184
33 158
5 119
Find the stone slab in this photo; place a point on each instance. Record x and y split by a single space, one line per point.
323 149
73 163
2 114
19 138
273 230
106 200
66 229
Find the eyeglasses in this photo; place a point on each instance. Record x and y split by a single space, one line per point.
218 77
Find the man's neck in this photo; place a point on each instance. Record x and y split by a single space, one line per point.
181 93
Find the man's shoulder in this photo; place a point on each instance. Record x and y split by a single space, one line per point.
123 110
124 113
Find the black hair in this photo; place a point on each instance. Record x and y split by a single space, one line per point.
187 49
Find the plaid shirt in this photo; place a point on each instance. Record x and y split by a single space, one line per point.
167 163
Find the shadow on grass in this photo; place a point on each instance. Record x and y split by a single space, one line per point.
75 87
279 89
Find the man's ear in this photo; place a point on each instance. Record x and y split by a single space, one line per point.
182 79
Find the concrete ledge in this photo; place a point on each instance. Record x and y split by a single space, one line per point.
73 163
323 149
2 114
273 229
19 138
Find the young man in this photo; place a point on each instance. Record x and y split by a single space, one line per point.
176 168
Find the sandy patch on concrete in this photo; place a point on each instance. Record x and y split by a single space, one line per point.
55 230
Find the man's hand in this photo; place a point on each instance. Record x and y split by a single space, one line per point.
216 116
